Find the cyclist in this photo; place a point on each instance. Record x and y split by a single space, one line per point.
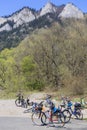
50 104
69 102
63 101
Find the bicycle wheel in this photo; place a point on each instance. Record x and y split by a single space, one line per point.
36 118
18 103
79 114
59 121
67 115
44 118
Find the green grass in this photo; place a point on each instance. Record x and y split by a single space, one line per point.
12 95
85 119
5 94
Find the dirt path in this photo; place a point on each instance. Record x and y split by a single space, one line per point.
8 107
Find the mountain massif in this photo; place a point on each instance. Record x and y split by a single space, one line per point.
17 26
44 50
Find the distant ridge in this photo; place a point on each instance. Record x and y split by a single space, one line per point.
15 27
27 14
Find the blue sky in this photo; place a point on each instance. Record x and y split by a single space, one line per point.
7 7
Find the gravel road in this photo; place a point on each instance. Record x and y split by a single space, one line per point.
9 109
14 118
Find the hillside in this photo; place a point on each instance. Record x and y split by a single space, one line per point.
54 57
48 53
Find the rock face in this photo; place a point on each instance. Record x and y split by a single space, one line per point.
48 8
2 20
27 15
6 27
24 16
71 11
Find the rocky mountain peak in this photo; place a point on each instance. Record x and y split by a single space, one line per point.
48 8
16 27
26 15
23 16
71 11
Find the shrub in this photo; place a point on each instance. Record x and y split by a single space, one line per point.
78 86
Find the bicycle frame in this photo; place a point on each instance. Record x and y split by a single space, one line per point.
55 117
73 111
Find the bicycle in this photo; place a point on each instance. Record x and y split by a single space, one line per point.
41 116
76 111
54 117
37 114
66 113
32 106
20 101
69 111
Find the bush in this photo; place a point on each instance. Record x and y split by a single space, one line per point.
78 86
35 85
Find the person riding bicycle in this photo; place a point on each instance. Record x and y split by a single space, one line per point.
69 102
50 104
63 101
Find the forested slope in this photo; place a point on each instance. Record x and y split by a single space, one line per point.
54 57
